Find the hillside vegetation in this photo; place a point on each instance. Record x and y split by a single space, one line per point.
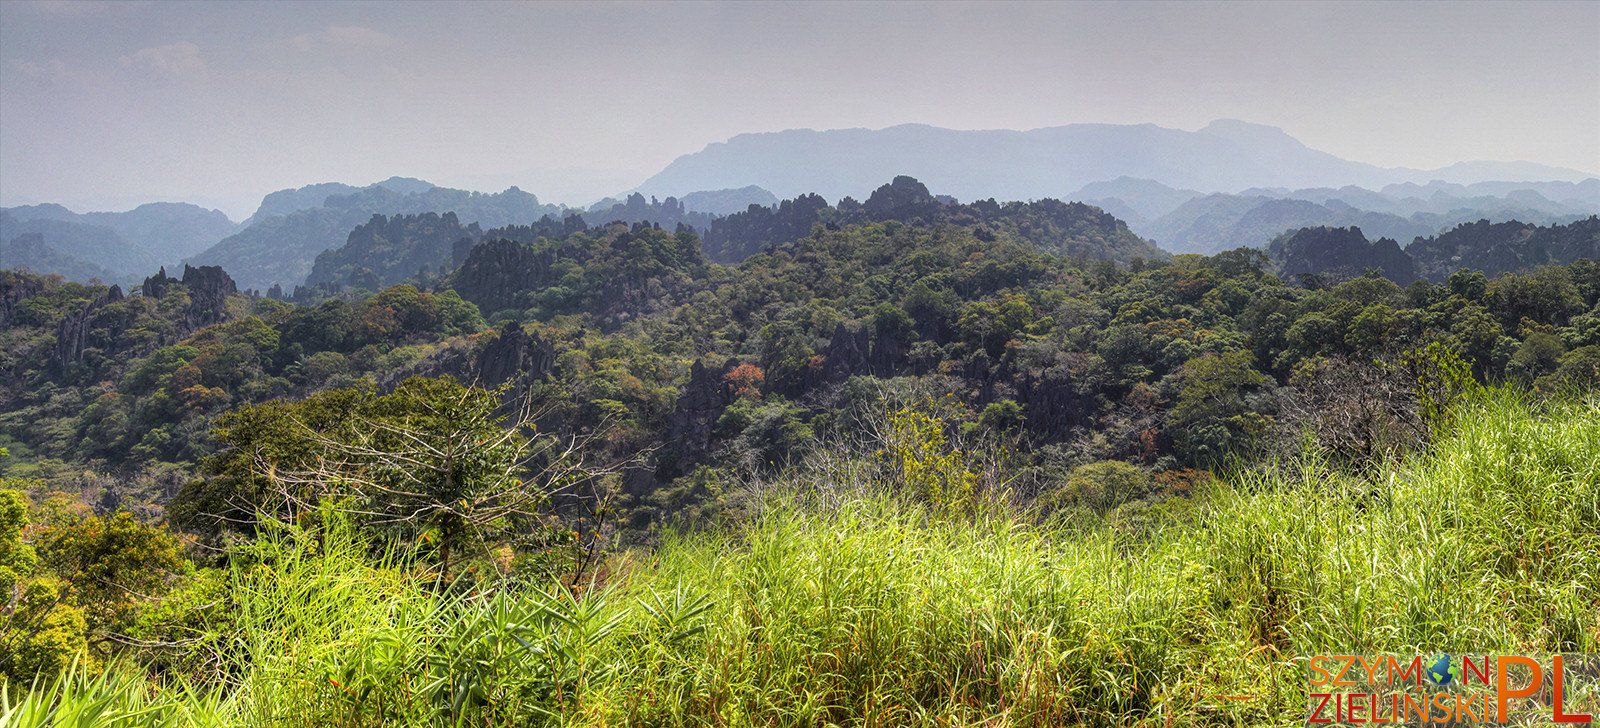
902 461
844 598
281 249
1172 365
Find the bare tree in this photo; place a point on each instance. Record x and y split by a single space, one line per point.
441 463
1356 412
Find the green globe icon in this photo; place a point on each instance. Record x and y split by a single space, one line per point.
1443 671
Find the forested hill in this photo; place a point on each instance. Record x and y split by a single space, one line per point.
281 250
419 248
385 251
1340 252
1072 229
1492 248
909 381
1506 246
325 237
716 370
288 201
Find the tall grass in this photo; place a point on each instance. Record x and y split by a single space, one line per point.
868 611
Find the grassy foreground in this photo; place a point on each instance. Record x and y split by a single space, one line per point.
876 613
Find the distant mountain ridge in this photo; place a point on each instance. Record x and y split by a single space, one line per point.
1225 156
288 201
1491 248
728 202
1187 221
68 242
124 245
282 249
1226 185
31 252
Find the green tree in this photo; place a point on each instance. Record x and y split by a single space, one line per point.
110 566
916 448
240 482
1546 296
1539 355
1002 416
1469 284
1101 486
1577 370
1213 416
40 631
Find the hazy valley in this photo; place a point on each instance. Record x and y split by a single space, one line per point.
624 399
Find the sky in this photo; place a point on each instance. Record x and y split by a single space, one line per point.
106 106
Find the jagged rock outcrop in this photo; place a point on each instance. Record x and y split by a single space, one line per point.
704 398
1340 252
743 234
209 288
72 328
1050 402
668 213
886 355
904 198
980 370
514 355
848 353
497 271
852 352
14 289
156 286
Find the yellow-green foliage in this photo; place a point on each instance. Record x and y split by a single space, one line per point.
876 610
1442 379
40 632
917 448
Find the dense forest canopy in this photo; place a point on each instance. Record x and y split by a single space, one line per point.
277 246
1070 229
449 412
1044 320
674 394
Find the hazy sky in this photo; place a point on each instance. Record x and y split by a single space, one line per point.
106 106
